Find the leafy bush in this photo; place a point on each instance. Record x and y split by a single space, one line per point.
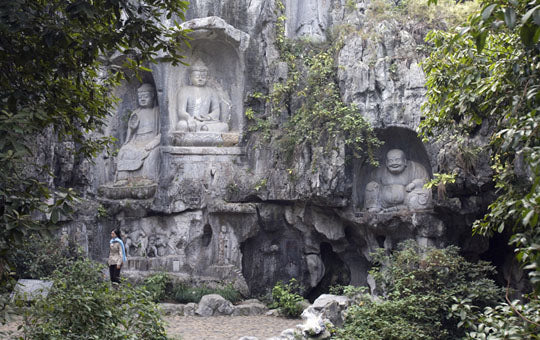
285 297
82 305
184 293
159 286
516 322
37 257
418 287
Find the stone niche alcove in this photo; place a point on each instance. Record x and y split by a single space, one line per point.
107 168
367 178
220 48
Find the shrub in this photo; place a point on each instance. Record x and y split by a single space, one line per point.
82 305
38 257
516 322
285 297
159 286
184 293
418 287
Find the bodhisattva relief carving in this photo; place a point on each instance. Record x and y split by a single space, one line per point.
399 185
199 104
156 244
138 157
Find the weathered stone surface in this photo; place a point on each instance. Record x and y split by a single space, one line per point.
30 290
214 304
190 308
248 308
138 192
325 299
382 77
313 325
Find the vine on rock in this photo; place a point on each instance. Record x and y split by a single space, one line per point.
311 100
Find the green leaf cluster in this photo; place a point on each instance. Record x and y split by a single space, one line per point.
417 288
286 297
83 305
162 289
514 320
38 257
485 78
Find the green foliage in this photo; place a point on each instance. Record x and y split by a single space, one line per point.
161 288
37 257
158 285
261 185
486 75
418 287
56 78
83 305
184 293
286 297
520 320
440 181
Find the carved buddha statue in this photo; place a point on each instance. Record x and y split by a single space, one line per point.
198 104
398 185
138 157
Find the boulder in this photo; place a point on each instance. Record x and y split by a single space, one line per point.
250 307
331 307
214 304
313 323
189 309
324 299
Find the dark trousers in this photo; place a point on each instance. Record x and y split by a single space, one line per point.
114 273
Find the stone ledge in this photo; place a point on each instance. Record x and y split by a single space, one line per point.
234 208
140 192
204 150
226 139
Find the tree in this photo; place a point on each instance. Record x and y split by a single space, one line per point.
56 77
486 75
419 285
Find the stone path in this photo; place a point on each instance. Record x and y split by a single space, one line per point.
227 327
215 327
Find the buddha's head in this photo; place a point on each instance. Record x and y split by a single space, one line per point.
396 161
145 95
198 73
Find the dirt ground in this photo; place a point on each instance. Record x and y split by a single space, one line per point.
206 328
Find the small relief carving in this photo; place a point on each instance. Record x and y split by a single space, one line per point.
399 185
199 104
136 243
155 244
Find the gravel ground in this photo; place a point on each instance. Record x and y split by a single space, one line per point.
208 328
227 327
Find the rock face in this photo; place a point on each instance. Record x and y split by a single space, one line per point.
222 204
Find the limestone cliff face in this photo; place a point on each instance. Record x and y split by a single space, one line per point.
229 206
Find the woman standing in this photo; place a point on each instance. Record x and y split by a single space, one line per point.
117 255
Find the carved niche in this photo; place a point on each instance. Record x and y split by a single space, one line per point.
206 97
397 184
137 162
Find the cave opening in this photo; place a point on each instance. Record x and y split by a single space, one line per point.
336 272
207 236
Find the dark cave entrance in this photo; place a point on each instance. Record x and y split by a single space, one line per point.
336 272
